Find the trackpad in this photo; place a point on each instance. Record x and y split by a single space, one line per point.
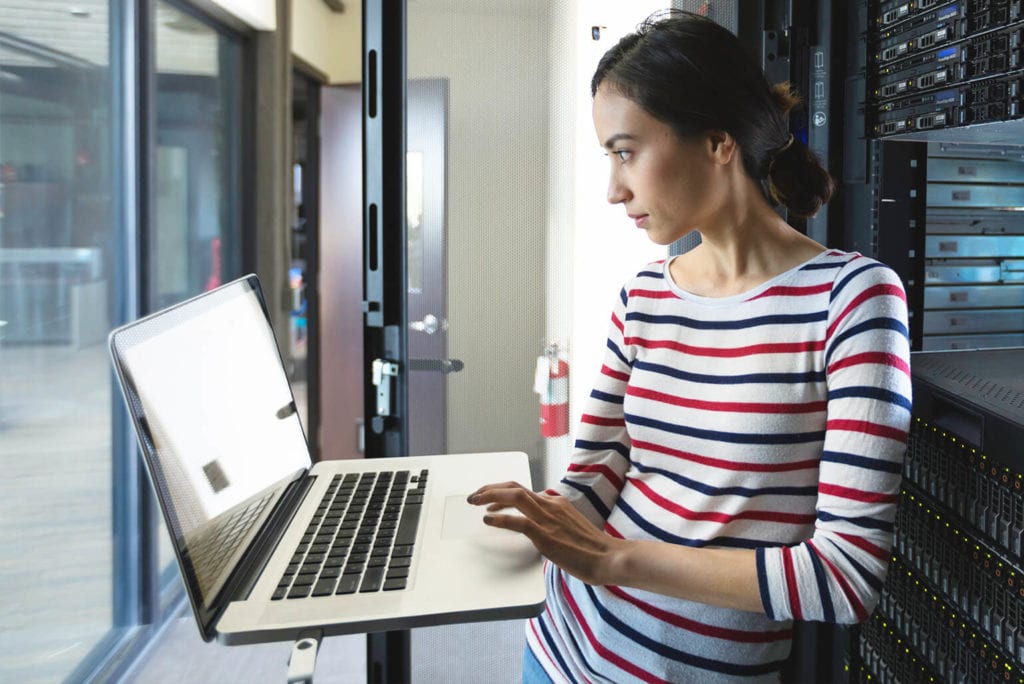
465 521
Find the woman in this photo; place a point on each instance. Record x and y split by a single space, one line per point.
738 460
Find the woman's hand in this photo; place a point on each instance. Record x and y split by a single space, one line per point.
559 532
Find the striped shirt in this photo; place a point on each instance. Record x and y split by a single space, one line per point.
773 420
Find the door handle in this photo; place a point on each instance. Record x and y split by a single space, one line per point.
429 325
436 365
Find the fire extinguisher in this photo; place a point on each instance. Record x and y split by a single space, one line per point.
552 384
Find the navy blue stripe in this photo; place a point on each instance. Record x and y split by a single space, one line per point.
651 274
615 350
698 324
862 462
877 393
761 378
675 654
762 583
624 296
824 267
605 396
590 495
729 437
727 491
822 580
868 576
618 447
555 651
861 521
658 533
841 285
865 326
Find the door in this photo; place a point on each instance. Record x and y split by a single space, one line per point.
426 217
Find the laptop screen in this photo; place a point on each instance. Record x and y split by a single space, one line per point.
216 420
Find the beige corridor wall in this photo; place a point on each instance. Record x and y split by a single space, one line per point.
329 41
495 57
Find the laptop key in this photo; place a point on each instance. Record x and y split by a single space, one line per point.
301 591
348 585
372 580
279 593
407 527
394 584
324 587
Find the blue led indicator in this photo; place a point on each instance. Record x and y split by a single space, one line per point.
946 53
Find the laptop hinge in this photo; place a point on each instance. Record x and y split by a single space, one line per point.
262 548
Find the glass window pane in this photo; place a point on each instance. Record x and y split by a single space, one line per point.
194 245
57 248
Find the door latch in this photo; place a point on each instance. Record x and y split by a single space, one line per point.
383 375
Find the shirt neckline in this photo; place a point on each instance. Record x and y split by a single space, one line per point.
742 296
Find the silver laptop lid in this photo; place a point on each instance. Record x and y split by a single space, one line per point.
217 424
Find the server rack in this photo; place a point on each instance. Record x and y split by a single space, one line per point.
952 609
937 89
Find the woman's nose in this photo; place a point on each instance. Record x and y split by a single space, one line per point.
616 190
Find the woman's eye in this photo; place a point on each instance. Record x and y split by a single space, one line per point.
623 155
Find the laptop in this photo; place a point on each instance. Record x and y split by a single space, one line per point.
270 545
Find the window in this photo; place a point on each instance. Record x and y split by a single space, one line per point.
103 216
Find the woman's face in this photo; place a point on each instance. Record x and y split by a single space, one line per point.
668 186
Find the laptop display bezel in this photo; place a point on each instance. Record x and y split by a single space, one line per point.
207 612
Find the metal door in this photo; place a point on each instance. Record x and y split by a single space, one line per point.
426 215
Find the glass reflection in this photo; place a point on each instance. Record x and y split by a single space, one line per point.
57 244
195 246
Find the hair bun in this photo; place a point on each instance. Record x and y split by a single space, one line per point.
797 180
785 96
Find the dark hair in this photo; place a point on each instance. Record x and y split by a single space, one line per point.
695 76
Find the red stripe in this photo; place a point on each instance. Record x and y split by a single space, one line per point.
618 375
604 470
874 291
727 406
606 422
725 518
618 323
865 545
793 291
855 494
728 352
791 586
652 294
600 648
851 595
867 428
700 627
728 465
879 358
612 531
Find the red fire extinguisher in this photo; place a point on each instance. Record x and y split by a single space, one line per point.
552 384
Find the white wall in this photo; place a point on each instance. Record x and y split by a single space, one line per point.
607 248
329 41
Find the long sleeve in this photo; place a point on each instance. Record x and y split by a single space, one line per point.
600 459
837 574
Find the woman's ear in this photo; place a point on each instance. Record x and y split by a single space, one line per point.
722 146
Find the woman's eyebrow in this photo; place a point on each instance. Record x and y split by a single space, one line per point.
610 142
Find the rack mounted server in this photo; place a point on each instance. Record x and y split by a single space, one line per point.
935 65
952 609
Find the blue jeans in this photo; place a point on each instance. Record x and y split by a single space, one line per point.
533 673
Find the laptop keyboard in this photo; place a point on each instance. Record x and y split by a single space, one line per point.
360 539
211 549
